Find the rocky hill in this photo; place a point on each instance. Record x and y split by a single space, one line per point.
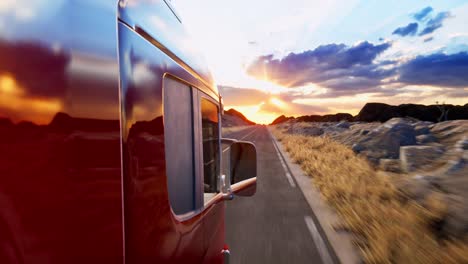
379 112
282 119
233 117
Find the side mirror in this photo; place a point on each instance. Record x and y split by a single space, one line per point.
239 167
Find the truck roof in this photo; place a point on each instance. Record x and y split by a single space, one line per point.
161 26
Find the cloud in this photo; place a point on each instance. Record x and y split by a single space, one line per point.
435 23
234 96
22 11
428 39
419 16
340 70
334 66
408 30
291 108
242 96
437 69
457 93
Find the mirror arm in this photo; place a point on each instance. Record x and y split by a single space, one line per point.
228 196
226 188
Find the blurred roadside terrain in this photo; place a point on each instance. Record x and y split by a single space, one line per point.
397 175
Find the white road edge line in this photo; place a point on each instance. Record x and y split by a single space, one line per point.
319 243
255 129
226 149
288 175
316 236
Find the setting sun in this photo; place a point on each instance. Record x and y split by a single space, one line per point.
255 113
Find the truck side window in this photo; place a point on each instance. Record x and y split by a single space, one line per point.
179 147
211 144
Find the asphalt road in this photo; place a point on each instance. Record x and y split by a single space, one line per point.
270 227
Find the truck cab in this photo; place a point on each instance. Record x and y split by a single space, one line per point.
110 143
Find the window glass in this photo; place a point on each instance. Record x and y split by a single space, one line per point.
210 135
178 139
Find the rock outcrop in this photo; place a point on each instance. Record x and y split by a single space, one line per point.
415 157
314 118
325 118
281 119
372 112
233 117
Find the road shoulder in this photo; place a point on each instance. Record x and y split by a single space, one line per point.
341 242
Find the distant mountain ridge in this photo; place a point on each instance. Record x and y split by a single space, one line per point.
315 118
379 112
233 117
383 112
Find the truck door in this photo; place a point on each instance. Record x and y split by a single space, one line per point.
209 143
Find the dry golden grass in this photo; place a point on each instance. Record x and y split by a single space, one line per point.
387 227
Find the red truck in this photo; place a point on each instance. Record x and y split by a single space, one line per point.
110 146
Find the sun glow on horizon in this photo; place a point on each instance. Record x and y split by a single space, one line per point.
269 62
277 102
255 114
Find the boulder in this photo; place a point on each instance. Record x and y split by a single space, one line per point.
415 157
313 131
384 141
396 131
357 147
364 132
452 179
457 165
416 187
422 130
455 223
297 128
343 124
462 144
449 133
424 123
392 165
424 139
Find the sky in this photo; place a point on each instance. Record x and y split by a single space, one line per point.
303 57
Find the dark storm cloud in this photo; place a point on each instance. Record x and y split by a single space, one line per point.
437 69
408 30
22 60
423 13
435 23
334 66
